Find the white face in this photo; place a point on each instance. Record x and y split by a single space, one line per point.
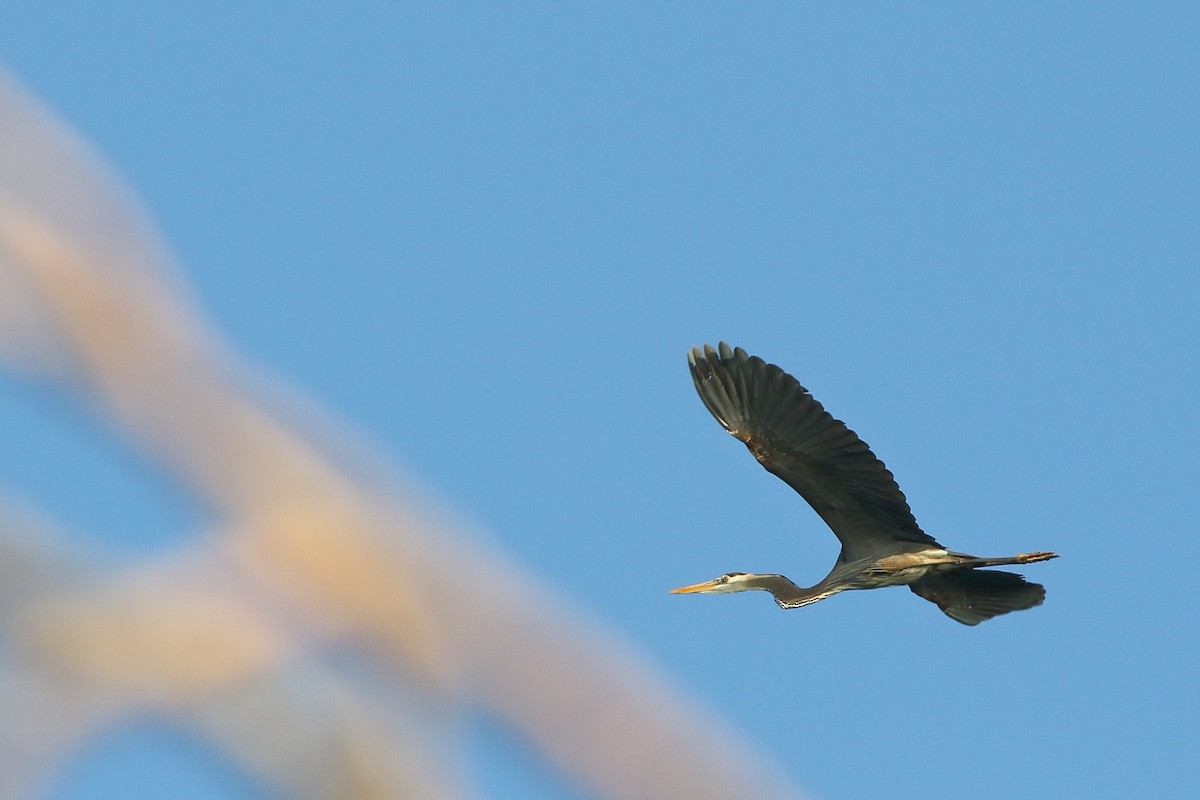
726 584
729 583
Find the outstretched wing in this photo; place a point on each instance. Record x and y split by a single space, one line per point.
794 437
971 596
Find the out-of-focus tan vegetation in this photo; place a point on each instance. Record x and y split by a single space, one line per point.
312 554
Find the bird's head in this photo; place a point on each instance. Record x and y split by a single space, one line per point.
726 584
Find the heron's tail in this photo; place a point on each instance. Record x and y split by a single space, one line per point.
971 596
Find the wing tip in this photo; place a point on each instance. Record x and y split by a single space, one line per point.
722 352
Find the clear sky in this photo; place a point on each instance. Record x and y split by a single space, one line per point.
486 235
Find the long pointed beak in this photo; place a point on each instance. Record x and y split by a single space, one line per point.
707 586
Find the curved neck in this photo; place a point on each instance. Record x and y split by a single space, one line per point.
786 593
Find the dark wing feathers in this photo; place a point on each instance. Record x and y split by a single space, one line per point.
974 595
794 437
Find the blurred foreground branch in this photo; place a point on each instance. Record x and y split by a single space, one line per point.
317 550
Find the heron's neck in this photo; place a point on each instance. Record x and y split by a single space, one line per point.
786 593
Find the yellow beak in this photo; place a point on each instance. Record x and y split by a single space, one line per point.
707 586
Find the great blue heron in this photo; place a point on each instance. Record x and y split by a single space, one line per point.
794 437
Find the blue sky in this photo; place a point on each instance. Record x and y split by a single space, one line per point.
486 235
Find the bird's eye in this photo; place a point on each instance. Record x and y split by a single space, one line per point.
724 579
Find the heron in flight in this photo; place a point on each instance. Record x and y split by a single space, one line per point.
794 437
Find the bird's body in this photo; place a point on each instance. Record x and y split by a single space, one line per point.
793 437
